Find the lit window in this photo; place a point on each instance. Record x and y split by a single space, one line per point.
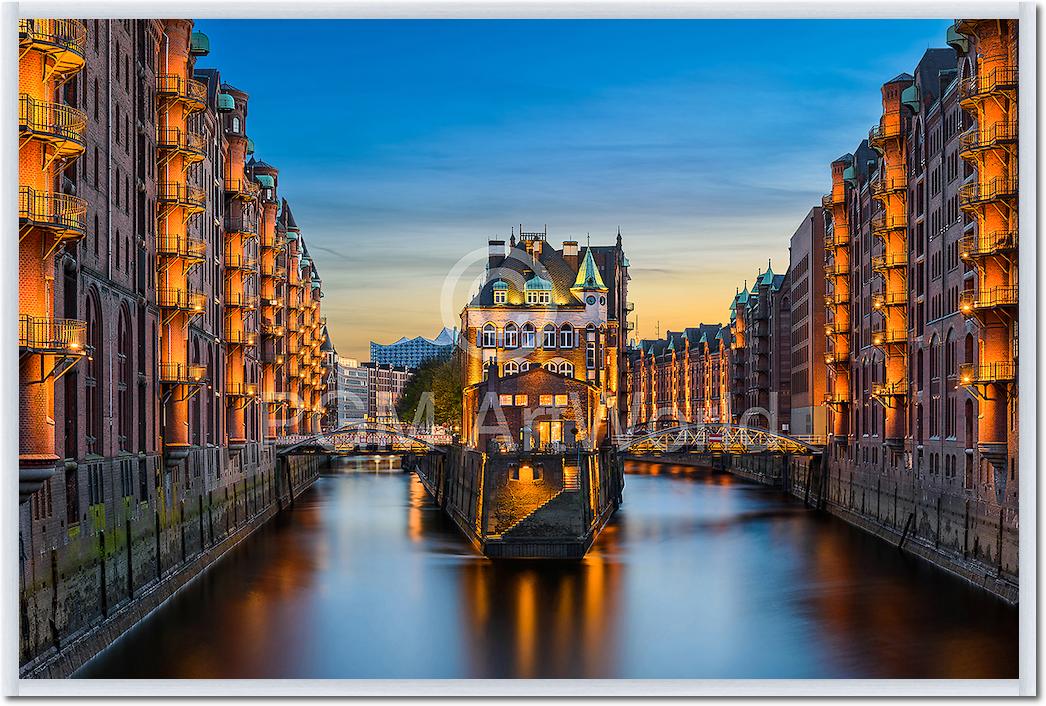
546 400
561 400
551 366
529 335
489 336
511 335
567 369
524 366
590 355
548 339
500 296
511 367
521 400
505 400
566 336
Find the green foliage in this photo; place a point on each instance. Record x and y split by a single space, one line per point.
441 378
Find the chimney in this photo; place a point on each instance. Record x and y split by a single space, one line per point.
495 253
570 253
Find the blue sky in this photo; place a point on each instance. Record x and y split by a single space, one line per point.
404 145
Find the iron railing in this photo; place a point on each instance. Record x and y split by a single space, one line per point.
989 298
181 298
882 300
66 35
972 246
181 194
181 141
188 90
46 334
997 188
52 120
182 373
973 373
978 138
60 212
1001 78
181 246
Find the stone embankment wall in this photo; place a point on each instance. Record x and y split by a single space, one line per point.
79 595
971 538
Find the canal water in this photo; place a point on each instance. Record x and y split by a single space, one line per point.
699 575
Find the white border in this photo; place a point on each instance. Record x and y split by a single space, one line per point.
1026 11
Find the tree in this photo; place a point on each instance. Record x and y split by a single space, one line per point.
440 378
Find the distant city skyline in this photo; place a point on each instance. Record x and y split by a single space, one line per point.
705 141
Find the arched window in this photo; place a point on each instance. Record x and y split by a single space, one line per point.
524 366
548 339
566 369
566 336
528 335
551 366
123 366
93 381
968 419
511 335
511 367
490 334
236 125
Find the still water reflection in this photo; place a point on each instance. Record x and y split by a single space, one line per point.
698 576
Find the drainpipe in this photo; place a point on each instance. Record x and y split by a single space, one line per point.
109 198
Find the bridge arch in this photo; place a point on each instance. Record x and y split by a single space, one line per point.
363 437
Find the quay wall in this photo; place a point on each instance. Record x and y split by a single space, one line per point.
89 584
970 538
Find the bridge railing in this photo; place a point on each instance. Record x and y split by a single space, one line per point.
713 438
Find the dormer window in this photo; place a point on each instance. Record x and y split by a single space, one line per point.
501 292
489 339
538 291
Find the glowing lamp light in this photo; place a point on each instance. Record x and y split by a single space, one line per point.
877 341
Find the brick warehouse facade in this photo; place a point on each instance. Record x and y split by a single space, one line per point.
163 346
917 274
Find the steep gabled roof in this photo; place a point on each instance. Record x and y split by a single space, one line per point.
588 276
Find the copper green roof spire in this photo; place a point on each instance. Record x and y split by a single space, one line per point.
588 274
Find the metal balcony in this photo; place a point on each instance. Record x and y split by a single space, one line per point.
835 328
272 330
885 130
187 196
189 91
836 237
982 138
182 246
239 337
241 301
889 261
64 41
240 261
241 389
64 215
971 301
827 201
836 357
883 186
182 374
181 300
883 300
245 189
977 246
997 189
898 388
833 299
971 374
41 334
836 399
273 358
882 224
62 127
883 336
1002 79
241 224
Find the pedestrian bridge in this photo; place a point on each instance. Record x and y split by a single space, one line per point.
715 438
363 437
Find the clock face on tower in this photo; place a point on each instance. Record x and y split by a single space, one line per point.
591 299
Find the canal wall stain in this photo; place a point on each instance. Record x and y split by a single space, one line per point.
974 539
79 595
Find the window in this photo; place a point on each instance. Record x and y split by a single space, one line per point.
489 339
549 336
590 355
566 336
236 125
505 400
511 368
511 335
529 335
500 296
546 400
524 366
561 400
551 366
566 369
521 400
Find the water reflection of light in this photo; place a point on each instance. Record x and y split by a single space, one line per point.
417 502
526 625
